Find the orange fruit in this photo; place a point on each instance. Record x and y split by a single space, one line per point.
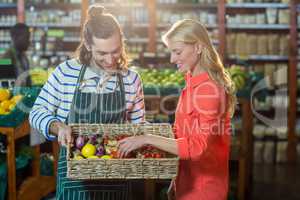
16 98
11 106
4 94
2 111
5 104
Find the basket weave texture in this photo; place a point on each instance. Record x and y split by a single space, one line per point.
125 168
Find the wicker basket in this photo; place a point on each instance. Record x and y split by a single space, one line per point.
129 168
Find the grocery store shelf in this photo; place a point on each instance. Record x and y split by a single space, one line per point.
125 5
55 25
6 25
7 5
186 6
140 25
66 39
63 6
156 55
5 39
215 42
166 25
259 26
260 57
137 40
270 138
51 53
257 5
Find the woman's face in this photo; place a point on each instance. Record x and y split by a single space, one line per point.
107 52
185 56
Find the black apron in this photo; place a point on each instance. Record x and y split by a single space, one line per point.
93 108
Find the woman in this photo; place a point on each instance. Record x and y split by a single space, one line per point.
202 118
95 87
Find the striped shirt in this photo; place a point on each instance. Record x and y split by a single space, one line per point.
55 99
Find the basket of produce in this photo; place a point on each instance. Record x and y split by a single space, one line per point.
94 153
15 104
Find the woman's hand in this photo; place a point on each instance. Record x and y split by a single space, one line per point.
64 134
171 191
129 144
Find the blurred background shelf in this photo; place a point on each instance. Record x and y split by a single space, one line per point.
145 21
8 6
259 26
257 5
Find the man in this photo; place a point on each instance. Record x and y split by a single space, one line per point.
20 36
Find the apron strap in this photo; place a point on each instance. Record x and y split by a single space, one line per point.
122 90
80 78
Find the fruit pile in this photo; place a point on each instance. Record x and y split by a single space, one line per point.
239 76
93 147
40 75
7 101
165 77
150 152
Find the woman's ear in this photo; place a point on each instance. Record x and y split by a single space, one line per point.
198 48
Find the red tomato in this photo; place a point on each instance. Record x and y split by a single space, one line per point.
114 154
157 155
147 155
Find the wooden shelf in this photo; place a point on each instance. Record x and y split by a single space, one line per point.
44 184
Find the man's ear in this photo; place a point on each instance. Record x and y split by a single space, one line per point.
87 46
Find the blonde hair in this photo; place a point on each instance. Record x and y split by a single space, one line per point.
192 32
100 24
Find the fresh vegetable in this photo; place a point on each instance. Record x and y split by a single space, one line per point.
106 157
88 150
80 142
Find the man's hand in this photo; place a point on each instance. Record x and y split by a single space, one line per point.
63 132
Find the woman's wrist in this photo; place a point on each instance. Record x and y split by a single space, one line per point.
148 139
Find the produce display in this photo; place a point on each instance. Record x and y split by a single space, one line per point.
40 75
7 101
239 76
97 147
166 77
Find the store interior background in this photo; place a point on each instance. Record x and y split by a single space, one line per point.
257 40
